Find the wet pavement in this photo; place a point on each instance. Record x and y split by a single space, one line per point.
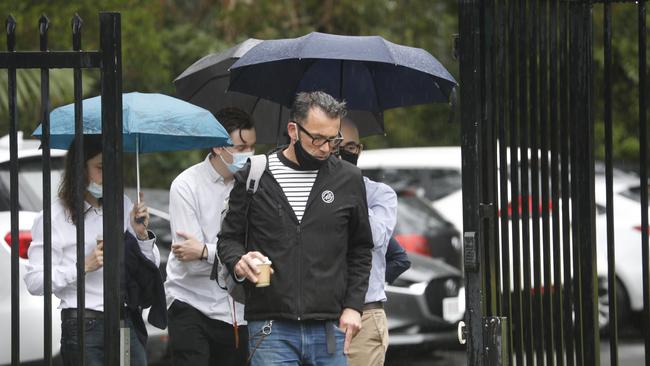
631 353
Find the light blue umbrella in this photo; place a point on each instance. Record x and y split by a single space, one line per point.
150 123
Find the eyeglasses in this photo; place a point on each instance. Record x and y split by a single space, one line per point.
320 141
352 147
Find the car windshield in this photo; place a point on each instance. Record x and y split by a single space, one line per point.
30 183
436 183
416 216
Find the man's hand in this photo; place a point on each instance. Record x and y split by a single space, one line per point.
247 266
95 260
350 323
188 250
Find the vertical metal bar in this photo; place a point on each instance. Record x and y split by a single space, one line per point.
584 184
643 172
575 47
13 186
565 120
80 184
43 25
523 199
532 201
470 74
111 75
488 163
548 293
502 72
517 322
556 288
611 253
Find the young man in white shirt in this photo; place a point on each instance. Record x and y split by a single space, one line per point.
206 326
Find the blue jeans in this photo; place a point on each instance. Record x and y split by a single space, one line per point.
94 342
294 343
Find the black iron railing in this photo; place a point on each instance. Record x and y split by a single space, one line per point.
108 61
527 89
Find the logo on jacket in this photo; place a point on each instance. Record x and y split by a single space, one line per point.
327 196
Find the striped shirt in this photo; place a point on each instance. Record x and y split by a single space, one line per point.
296 184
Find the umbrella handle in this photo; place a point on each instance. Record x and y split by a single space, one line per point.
138 220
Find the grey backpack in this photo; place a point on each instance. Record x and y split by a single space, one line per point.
220 272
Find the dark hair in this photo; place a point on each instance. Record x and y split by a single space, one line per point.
305 101
92 146
233 119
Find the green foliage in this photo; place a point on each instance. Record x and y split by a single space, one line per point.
162 38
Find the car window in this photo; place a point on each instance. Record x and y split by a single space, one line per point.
416 216
30 183
436 182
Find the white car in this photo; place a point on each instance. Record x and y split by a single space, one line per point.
30 183
30 200
436 172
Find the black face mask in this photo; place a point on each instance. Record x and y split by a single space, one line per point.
348 156
305 159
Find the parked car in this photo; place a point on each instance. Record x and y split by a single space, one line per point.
30 201
421 229
436 173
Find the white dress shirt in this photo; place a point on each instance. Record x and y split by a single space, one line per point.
382 213
64 255
196 201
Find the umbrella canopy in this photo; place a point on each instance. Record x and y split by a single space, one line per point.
152 122
368 72
205 83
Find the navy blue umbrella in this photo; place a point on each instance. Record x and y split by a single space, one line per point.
368 72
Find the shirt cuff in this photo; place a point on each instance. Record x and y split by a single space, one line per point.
237 278
212 252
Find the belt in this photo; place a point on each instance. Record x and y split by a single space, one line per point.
87 314
373 305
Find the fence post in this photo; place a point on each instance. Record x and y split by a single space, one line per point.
113 202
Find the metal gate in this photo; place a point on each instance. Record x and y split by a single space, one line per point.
108 61
530 243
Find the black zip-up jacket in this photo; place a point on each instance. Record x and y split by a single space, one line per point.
321 264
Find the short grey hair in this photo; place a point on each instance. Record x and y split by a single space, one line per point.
305 101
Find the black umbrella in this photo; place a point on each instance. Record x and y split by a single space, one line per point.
205 83
368 72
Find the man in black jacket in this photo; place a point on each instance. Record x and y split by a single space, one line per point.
309 216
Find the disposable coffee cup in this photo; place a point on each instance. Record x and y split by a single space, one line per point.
264 277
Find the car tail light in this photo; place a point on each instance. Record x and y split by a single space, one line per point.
414 243
530 206
24 240
639 229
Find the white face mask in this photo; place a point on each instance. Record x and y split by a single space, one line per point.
95 190
238 160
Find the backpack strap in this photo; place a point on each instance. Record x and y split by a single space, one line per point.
258 165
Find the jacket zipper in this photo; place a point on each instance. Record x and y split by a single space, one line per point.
299 273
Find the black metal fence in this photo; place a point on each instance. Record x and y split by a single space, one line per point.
108 61
527 93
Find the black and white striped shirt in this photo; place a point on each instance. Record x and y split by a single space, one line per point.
296 184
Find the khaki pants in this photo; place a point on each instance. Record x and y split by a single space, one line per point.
369 346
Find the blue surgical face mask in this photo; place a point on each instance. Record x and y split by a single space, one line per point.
95 190
238 160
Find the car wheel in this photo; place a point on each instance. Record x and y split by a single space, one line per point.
622 304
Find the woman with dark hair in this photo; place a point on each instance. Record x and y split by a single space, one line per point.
64 257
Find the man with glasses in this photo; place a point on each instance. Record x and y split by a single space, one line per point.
370 345
206 326
310 218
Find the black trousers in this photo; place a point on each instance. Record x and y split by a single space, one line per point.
197 340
